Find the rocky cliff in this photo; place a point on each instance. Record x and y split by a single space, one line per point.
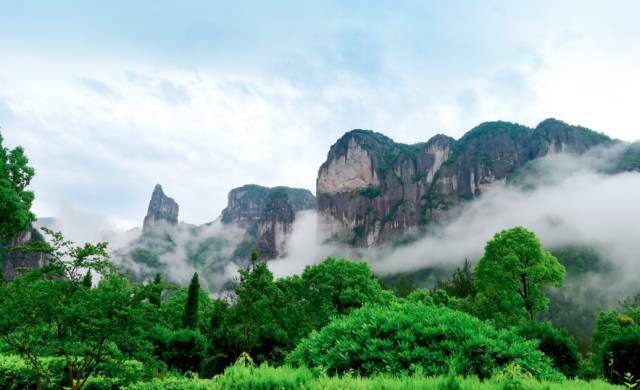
162 210
267 215
19 261
375 190
256 218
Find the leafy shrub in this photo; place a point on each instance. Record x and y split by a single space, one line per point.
371 192
174 383
113 374
185 350
16 373
616 344
406 337
555 343
421 295
240 377
623 351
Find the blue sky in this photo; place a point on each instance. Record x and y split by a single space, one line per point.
109 98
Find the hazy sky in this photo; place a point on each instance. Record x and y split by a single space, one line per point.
109 98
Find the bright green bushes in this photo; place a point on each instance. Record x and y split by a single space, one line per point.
17 374
240 377
555 343
616 344
409 337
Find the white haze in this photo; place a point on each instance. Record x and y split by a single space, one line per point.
572 203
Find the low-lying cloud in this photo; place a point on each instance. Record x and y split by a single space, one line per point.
566 200
569 201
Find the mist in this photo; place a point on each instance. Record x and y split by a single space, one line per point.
567 201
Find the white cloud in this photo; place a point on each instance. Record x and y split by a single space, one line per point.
102 126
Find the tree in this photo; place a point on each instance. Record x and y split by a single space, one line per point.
404 287
513 273
155 290
87 281
254 324
336 286
15 199
462 283
190 316
47 312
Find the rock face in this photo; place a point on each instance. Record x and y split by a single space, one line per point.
162 209
267 215
376 190
18 261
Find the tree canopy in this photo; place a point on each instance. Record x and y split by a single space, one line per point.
513 273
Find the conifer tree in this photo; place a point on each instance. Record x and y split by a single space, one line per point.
190 317
87 281
155 295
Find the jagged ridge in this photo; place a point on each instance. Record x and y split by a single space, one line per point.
379 190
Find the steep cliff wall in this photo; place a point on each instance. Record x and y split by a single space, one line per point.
267 215
21 261
380 191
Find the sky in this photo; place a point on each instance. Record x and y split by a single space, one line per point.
110 98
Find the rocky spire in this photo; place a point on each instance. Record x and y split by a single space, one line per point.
162 209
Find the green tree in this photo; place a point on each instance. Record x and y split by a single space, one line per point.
336 286
254 324
87 281
513 273
404 287
47 312
190 316
155 290
462 283
15 199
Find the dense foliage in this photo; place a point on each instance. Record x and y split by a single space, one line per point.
412 337
78 323
513 273
616 344
15 198
555 343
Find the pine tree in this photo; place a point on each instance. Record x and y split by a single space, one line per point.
155 294
87 281
190 317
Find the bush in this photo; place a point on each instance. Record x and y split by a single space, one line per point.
185 350
616 344
408 337
555 343
623 352
16 373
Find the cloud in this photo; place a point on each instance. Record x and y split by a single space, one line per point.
174 94
6 115
203 104
99 87
570 202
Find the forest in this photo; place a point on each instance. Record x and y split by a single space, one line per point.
78 322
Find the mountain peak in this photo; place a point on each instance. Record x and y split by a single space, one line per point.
162 209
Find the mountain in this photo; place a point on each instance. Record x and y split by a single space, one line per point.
18 261
374 190
162 210
266 214
256 218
